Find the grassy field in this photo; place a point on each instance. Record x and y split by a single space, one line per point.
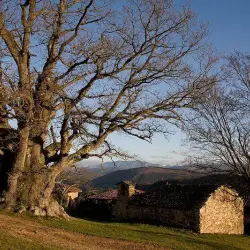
167 238
9 242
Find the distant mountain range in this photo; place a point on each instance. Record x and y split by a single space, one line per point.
105 176
85 171
113 166
142 176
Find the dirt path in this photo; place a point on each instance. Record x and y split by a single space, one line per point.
63 239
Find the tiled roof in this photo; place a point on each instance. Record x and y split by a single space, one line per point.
176 196
110 195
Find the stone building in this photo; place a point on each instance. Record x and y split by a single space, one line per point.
100 206
202 208
70 194
126 191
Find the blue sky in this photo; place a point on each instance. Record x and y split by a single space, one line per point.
228 30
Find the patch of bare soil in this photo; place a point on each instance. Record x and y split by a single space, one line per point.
63 239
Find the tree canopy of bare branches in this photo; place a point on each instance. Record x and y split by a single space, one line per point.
73 72
218 126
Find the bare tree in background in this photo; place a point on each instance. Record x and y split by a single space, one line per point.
219 125
73 72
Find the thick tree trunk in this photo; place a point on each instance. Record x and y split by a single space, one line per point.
31 182
17 168
34 194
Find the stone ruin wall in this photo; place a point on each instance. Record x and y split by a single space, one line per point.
188 219
119 210
122 210
125 191
72 195
223 213
120 207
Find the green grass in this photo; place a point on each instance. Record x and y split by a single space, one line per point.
167 237
8 242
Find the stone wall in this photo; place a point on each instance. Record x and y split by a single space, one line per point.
96 209
188 219
125 190
70 197
119 211
124 211
222 213
120 206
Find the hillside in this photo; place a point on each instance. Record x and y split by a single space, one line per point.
143 176
234 181
105 176
85 171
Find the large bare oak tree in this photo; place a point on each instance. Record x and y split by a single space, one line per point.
73 72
